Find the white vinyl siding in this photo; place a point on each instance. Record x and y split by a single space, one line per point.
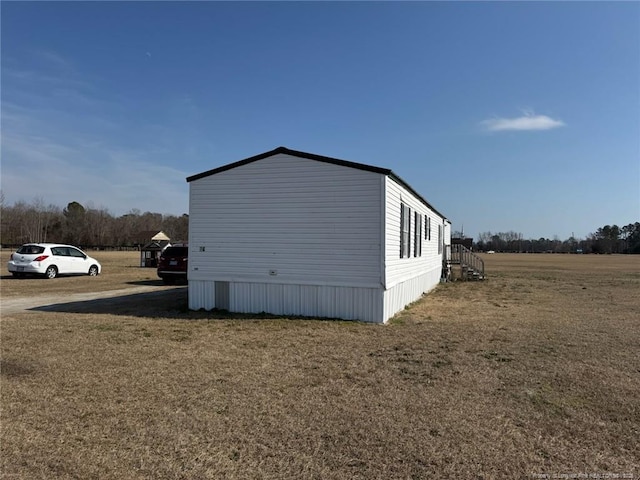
287 220
447 233
399 270
407 279
291 235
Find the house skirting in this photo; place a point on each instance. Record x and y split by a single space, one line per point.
325 301
404 293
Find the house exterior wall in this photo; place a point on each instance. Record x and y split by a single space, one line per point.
447 232
295 236
287 235
407 278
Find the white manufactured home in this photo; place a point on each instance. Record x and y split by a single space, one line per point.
293 233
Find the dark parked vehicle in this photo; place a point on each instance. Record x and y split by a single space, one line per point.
172 266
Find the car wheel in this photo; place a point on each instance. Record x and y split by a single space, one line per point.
51 272
93 270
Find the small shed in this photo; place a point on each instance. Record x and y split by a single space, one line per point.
151 243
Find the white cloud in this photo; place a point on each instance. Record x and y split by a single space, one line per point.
526 122
53 58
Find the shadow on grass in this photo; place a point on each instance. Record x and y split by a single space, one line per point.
39 276
170 303
147 283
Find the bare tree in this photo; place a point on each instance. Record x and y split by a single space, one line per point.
99 224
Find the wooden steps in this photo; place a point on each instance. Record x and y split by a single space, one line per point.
462 264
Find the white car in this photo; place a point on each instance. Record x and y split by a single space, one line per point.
51 260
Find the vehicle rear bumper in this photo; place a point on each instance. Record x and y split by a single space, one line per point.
171 273
26 268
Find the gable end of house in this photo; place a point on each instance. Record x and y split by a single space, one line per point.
318 158
294 153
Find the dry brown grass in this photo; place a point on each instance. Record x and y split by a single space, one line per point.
535 371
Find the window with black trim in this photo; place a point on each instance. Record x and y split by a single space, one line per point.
440 239
417 237
405 231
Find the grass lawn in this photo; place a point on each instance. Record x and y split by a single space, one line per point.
534 371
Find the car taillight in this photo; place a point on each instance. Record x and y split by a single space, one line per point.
40 258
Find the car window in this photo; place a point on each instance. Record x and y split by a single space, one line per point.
176 252
60 251
30 250
74 252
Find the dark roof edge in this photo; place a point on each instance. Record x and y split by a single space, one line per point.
295 153
410 188
319 158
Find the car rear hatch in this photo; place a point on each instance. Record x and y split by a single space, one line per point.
27 254
174 258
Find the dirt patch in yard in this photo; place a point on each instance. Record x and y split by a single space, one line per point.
535 371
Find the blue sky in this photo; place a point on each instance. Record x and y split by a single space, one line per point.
505 116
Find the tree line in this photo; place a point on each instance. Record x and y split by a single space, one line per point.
606 239
96 228
87 227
